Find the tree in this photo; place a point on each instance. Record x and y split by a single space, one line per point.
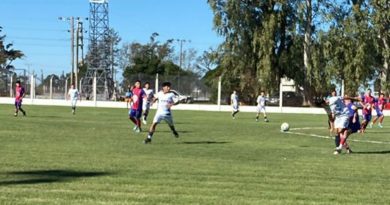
7 54
259 37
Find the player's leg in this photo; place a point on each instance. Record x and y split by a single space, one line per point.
257 113
74 106
16 108
264 114
157 119
169 120
145 112
132 114
380 117
381 121
21 109
138 120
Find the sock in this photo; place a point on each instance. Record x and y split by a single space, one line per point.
337 140
150 135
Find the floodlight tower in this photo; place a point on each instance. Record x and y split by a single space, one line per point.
99 56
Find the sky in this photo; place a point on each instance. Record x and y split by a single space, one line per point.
34 28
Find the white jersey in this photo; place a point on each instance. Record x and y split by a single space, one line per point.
165 101
149 95
261 101
337 106
73 93
234 99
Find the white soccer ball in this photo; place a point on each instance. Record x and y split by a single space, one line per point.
284 127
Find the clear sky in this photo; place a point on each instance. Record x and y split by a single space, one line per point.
33 27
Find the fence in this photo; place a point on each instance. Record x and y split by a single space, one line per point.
187 85
55 87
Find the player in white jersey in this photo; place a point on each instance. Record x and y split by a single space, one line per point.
235 104
261 99
74 95
147 101
341 119
165 102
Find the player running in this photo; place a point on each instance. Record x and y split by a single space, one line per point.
235 104
147 101
165 102
341 116
367 103
379 106
354 122
74 95
19 95
136 108
261 99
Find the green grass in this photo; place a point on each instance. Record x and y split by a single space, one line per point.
52 157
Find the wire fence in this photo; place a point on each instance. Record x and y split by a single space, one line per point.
55 87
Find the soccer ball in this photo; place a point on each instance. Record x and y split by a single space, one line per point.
284 127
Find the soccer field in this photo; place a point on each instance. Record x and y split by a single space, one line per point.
94 157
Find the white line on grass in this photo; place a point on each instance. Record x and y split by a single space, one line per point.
328 137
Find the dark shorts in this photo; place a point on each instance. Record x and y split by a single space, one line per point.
367 117
354 127
18 104
135 113
378 113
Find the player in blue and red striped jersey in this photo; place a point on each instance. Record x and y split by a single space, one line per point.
19 95
379 106
367 103
354 123
136 108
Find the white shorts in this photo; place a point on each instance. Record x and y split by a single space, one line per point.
167 117
261 108
73 102
341 122
235 107
146 106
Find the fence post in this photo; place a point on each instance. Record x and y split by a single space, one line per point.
281 95
10 87
31 87
156 84
219 92
66 87
51 87
94 89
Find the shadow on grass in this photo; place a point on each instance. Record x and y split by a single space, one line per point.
373 152
48 176
205 142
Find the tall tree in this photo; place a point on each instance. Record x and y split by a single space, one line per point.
7 54
259 36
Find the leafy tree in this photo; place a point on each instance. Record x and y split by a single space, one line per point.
7 54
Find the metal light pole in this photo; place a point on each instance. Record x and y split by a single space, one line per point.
71 21
181 41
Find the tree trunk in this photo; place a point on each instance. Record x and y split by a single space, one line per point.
385 78
307 54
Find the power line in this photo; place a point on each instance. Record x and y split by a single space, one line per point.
37 38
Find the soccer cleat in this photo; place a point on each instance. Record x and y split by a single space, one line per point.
266 120
380 125
24 113
144 121
257 120
16 114
138 130
336 152
176 134
370 126
349 151
147 141
135 128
